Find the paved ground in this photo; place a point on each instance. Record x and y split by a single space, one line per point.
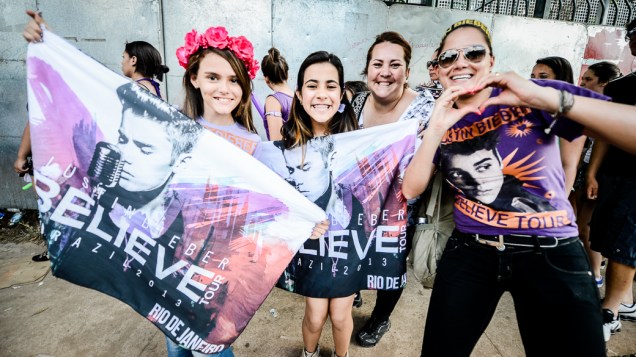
52 317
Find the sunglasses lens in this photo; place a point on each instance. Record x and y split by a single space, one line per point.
475 54
447 58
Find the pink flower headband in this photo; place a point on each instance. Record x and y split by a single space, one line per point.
217 37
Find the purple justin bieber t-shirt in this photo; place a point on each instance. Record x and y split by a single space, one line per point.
507 172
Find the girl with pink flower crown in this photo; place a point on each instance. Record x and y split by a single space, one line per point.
217 84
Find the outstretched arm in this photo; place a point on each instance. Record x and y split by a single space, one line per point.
612 122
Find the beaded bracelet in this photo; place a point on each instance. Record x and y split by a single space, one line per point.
566 101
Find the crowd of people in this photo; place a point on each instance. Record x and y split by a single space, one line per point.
522 217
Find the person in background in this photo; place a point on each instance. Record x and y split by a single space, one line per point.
553 67
388 100
141 62
542 265
277 105
434 86
22 167
354 87
558 68
594 78
613 225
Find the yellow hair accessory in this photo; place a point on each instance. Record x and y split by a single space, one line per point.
470 22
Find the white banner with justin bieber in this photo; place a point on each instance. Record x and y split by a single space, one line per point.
139 202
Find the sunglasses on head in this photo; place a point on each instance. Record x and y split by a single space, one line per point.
431 63
474 54
631 33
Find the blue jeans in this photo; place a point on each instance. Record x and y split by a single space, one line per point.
555 297
174 350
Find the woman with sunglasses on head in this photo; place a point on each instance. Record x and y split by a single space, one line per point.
388 100
434 86
515 229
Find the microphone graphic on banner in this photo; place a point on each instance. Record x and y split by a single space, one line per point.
106 165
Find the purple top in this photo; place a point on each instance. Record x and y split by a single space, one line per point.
285 104
258 106
154 83
507 172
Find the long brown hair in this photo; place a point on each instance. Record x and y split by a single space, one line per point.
193 102
298 129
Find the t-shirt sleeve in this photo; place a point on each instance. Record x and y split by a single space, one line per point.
562 126
613 90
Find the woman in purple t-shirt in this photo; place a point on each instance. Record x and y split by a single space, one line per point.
515 228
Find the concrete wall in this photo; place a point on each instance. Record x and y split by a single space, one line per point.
297 27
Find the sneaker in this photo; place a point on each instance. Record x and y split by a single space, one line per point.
627 312
372 332
611 324
316 353
42 257
599 282
357 300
